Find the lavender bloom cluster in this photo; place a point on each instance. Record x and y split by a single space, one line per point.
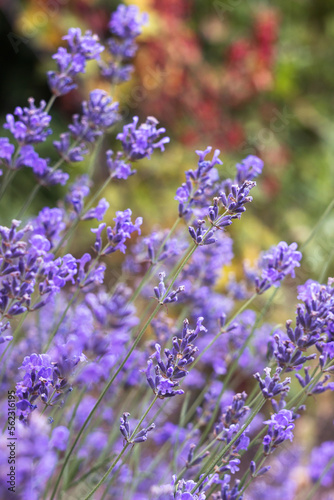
83 339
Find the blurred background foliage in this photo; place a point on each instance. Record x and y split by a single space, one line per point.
244 77
247 77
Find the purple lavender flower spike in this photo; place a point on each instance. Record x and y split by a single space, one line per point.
140 143
28 157
6 152
236 411
168 373
43 380
87 45
288 356
234 202
3 328
280 428
98 114
139 437
59 438
70 63
184 489
249 168
87 275
67 152
125 25
50 223
126 21
160 292
198 182
192 462
98 212
201 235
117 236
271 386
31 126
220 222
226 435
276 264
78 191
229 492
118 167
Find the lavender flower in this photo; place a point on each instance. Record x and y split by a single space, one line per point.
31 126
184 489
276 264
191 462
271 386
236 411
201 235
234 201
260 472
119 234
60 437
3 328
288 356
249 168
218 221
228 492
78 191
70 63
118 166
98 114
70 152
192 192
125 25
28 157
6 151
160 292
317 388
43 380
169 373
91 274
140 143
49 223
139 437
98 212
126 21
226 434
280 428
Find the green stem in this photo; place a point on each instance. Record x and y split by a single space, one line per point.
239 311
28 201
318 224
103 393
55 330
217 459
325 267
134 345
234 365
318 483
9 175
67 236
17 329
122 452
149 271
50 103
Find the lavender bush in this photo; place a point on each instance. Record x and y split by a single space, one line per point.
103 397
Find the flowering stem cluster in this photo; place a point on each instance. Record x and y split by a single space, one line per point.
79 353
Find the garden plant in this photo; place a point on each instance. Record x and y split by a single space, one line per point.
153 382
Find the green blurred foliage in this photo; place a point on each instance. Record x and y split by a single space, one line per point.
277 104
